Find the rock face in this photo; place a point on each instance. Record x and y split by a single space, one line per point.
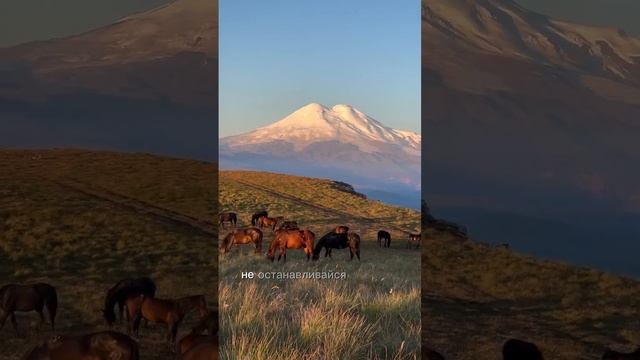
532 104
340 140
145 83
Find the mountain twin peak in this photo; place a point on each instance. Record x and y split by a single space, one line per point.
342 123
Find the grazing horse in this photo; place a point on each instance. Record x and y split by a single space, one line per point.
266 221
193 302
21 298
384 238
614 355
333 240
204 348
291 239
341 229
288 225
121 291
242 237
229 217
414 239
515 349
104 345
158 311
257 215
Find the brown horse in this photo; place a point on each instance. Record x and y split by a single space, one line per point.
241 237
266 221
205 348
22 298
158 311
341 229
121 291
229 217
104 345
193 302
257 215
288 225
291 239
414 239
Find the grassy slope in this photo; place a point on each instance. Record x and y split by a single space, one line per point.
475 297
82 220
374 314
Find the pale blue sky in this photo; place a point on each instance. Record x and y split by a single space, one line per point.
279 55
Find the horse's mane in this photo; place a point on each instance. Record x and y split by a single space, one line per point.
122 290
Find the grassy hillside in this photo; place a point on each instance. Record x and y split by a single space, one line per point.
83 220
475 297
372 314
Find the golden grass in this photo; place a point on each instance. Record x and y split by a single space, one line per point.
372 314
79 221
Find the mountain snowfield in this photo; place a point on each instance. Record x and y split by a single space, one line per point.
341 143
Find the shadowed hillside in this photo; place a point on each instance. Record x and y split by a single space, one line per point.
84 220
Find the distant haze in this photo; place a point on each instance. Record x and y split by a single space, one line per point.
28 20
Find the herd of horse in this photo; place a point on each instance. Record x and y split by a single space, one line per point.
287 235
135 297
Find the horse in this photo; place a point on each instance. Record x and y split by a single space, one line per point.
333 240
430 354
193 302
291 239
158 311
265 221
614 355
288 225
414 239
514 349
341 229
22 298
121 291
204 348
257 215
104 345
229 217
241 237
384 238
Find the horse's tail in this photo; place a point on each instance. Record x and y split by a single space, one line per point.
51 302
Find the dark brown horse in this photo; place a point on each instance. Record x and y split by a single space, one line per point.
514 349
268 222
242 237
229 217
204 348
257 215
414 239
341 229
22 298
333 240
291 239
288 225
157 311
384 238
614 355
104 345
121 291
194 302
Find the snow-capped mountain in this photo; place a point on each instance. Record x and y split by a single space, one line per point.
340 142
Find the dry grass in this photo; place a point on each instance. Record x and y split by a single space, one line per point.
83 220
475 297
372 314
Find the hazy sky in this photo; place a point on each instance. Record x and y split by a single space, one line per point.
27 20
614 13
279 55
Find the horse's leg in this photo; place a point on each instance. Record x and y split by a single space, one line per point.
358 254
351 252
41 314
135 327
15 323
3 318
